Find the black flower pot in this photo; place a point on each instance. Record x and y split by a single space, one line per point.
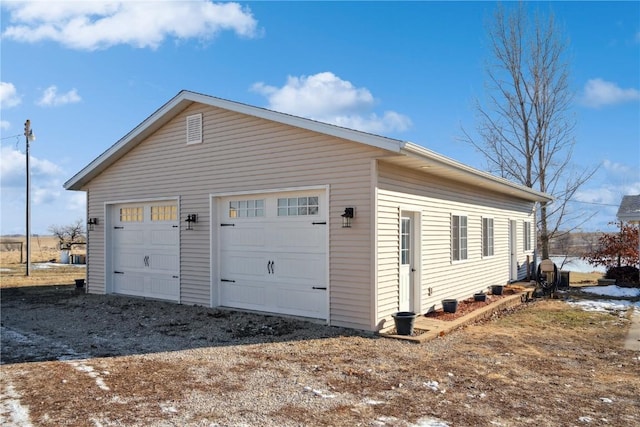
497 289
449 305
480 297
404 322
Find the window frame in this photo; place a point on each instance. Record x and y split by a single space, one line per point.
488 239
298 209
526 236
246 208
459 243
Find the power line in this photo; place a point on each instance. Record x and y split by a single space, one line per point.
12 136
594 203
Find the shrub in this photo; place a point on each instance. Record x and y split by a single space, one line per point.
617 249
624 275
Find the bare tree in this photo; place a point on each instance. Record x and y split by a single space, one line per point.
526 130
69 234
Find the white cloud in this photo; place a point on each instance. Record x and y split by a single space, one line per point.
4 125
327 98
598 93
50 204
91 25
51 97
8 95
12 168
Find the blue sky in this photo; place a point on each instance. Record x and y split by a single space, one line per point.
86 73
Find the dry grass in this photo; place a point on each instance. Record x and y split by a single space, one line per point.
43 249
584 279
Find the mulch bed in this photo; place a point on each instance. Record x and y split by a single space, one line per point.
469 305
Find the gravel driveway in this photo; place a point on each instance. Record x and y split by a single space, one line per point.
60 323
104 360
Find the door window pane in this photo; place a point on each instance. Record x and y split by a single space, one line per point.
246 208
405 241
298 206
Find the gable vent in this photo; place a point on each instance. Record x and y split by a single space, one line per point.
194 129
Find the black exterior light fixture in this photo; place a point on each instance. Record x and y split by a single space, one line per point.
91 223
347 217
191 219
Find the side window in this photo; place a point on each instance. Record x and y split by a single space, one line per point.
526 231
487 237
459 237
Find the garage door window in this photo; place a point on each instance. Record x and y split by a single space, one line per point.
298 206
164 213
246 208
131 214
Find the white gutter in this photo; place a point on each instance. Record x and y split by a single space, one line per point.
434 158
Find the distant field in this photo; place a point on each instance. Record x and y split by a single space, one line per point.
43 249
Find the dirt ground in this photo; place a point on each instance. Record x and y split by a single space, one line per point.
74 359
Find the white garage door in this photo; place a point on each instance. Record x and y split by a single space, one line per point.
273 253
145 251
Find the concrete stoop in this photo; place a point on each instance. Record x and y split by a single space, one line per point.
427 329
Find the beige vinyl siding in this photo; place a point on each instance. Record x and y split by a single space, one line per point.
241 153
95 248
438 200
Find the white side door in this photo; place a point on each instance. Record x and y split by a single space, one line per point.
406 264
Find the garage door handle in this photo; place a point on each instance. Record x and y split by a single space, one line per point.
227 280
270 269
118 272
319 223
320 288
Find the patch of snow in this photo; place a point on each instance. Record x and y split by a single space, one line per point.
373 402
433 385
46 265
585 419
606 400
320 393
430 422
612 291
82 366
604 305
609 305
166 408
12 413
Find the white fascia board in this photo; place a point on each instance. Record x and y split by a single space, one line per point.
474 175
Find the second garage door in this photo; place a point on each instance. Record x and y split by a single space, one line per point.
273 253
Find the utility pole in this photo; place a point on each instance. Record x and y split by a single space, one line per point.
29 136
